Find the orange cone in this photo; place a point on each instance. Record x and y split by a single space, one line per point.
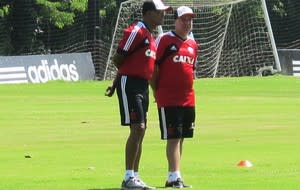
245 163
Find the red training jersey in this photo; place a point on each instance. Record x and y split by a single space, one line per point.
138 47
176 59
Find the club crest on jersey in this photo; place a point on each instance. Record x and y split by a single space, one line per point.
183 59
190 49
150 53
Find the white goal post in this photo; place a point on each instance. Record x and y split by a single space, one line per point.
235 36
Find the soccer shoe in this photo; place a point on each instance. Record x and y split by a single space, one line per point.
177 184
135 184
146 187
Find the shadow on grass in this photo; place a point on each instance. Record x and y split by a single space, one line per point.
117 188
105 189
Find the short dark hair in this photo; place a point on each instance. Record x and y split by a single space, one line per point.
175 15
148 5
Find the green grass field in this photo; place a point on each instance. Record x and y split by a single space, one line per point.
72 133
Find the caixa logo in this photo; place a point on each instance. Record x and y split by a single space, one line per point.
46 72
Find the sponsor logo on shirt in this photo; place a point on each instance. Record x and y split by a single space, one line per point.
183 59
150 53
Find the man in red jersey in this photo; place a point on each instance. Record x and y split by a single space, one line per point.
172 84
135 60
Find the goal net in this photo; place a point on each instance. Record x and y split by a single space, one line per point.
233 35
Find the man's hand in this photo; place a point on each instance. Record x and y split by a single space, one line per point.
110 91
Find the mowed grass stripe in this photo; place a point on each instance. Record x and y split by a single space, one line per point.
72 132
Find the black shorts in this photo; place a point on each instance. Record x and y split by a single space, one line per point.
176 122
133 95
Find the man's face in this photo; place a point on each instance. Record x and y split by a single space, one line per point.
184 23
157 17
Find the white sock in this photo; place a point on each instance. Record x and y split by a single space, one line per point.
128 174
173 176
136 175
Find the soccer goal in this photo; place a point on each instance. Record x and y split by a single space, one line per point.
234 36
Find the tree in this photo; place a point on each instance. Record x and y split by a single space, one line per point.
108 13
32 21
5 40
60 13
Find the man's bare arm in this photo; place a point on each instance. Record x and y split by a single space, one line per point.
153 80
110 90
117 60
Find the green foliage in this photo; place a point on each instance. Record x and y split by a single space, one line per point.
5 41
61 19
29 24
285 19
4 11
102 13
278 7
219 10
108 13
62 13
257 10
79 5
106 6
